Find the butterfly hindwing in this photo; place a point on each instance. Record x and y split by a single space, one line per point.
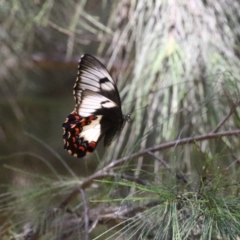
81 134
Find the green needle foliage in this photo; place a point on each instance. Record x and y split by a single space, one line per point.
163 214
180 70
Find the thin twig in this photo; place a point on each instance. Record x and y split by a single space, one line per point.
60 29
86 220
160 160
232 110
88 181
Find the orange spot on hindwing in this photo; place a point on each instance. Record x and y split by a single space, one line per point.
74 143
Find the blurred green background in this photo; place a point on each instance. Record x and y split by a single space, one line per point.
38 70
176 64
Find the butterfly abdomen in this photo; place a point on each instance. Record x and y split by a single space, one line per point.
111 129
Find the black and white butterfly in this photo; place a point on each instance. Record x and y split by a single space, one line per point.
97 110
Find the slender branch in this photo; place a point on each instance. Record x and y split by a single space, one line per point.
120 214
160 160
88 181
232 110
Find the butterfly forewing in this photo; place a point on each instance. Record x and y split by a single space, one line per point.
97 111
93 76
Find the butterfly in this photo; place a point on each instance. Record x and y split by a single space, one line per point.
97 112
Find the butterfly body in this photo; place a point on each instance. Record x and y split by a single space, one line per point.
97 112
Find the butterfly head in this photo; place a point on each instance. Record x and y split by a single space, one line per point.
127 118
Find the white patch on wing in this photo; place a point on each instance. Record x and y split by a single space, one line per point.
108 104
86 112
92 101
92 131
107 86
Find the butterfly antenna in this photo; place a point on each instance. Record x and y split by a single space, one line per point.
132 108
128 118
